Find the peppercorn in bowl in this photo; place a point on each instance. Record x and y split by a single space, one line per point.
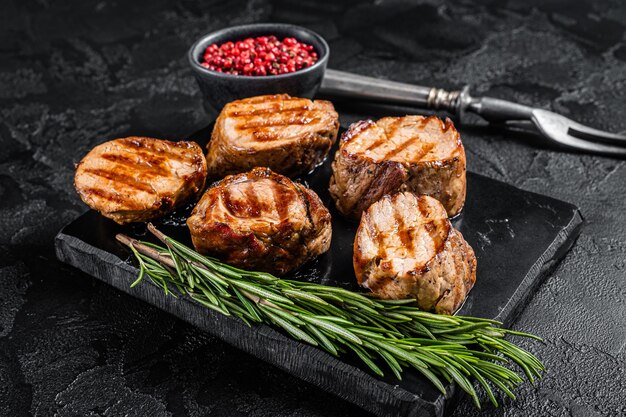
258 59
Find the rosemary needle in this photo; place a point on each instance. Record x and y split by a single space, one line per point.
395 332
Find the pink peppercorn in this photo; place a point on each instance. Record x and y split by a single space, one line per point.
264 55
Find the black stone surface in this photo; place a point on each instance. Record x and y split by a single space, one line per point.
74 74
518 237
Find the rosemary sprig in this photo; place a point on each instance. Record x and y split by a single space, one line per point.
394 332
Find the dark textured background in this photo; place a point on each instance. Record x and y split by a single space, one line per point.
75 74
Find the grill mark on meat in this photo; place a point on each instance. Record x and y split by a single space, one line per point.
106 195
356 129
154 159
425 149
287 134
375 144
285 234
393 128
404 145
297 116
437 238
431 226
281 200
429 149
254 206
153 149
147 166
403 232
278 108
252 114
121 178
260 136
135 179
298 120
136 144
388 134
233 207
268 99
422 208
431 229
380 243
307 206
374 234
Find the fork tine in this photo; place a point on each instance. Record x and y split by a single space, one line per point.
557 128
523 125
595 147
581 131
589 133
566 141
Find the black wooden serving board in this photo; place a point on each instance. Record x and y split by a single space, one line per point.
518 236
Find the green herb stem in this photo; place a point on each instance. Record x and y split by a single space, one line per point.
393 332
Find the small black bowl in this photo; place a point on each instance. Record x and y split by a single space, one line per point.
219 88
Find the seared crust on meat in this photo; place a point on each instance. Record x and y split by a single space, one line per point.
411 153
261 220
406 247
137 179
289 135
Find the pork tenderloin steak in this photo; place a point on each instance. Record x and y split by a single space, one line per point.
137 179
405 247
261 220
289 135
411 153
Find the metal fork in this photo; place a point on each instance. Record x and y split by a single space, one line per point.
554 127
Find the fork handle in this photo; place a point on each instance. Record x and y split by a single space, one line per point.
496 110
354 86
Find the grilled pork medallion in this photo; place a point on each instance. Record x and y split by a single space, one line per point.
137 179
287 134
412 153
405 247
260 220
